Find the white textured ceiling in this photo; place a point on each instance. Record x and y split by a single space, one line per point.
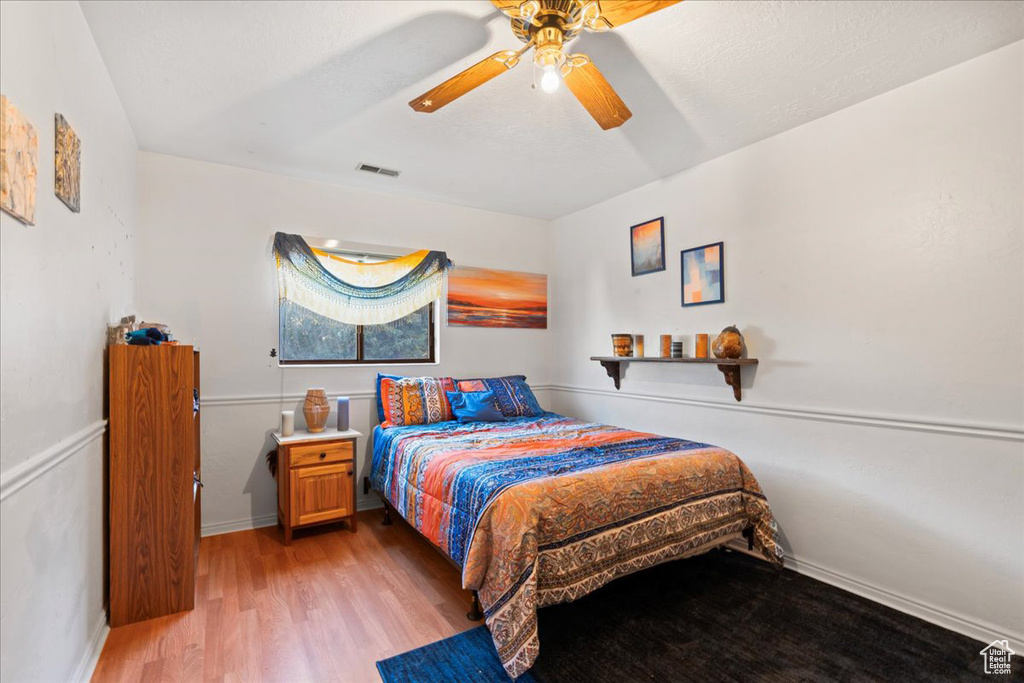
312 88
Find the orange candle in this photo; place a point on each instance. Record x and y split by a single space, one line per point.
638 345
701 351
666 346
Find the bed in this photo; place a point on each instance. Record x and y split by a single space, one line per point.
542 510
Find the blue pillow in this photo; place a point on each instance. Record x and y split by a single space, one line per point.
514 396
475 406
380 402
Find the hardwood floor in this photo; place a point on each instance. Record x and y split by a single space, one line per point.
325 608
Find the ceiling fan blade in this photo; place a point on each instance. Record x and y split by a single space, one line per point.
461 83
615 13
595 93
505 5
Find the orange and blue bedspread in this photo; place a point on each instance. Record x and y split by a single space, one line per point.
542 510
441 476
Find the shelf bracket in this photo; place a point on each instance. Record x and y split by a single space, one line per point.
732 378
614 369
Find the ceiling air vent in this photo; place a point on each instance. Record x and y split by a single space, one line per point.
391 173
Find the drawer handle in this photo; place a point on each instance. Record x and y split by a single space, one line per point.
323 455
350 473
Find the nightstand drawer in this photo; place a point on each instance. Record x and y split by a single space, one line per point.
320 454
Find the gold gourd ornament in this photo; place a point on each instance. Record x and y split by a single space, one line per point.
728 344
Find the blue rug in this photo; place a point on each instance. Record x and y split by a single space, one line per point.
468 656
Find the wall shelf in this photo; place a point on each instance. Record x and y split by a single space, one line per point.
730 368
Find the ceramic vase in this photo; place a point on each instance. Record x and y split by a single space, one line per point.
316 409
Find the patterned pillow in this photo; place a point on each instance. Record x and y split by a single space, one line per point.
415 400
515 399
380 399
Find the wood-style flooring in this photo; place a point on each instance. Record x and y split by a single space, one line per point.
325 608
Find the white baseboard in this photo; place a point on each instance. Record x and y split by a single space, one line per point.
87 663
972 628
218 528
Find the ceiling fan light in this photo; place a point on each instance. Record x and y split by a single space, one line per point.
549 81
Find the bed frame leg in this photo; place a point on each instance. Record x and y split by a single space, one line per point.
474 613
387 515
748 533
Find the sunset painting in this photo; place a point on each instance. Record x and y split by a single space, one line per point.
482 297
647 246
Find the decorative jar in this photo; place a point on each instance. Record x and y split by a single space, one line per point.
316 409
622 344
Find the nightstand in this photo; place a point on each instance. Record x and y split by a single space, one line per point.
316 479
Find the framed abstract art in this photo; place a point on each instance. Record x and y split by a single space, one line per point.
703 273
647 246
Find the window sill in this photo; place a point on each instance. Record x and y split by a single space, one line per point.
382 364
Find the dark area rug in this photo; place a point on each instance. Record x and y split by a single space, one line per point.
723 616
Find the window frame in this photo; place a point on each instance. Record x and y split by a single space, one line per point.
360 359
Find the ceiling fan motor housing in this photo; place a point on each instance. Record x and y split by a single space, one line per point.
548 23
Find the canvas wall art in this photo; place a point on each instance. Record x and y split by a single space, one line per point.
704 275
19 162
647 246
483 297
67 153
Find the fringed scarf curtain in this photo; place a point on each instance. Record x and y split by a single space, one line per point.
357 293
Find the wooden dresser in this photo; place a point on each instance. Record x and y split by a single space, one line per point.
155 481
316 479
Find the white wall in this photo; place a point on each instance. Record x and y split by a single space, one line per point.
61 281
874 260
205 269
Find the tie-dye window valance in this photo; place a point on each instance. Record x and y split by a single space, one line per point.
357 293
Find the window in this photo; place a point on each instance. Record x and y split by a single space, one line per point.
307 337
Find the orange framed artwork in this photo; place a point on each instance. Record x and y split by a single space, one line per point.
19 163
484 297
647 247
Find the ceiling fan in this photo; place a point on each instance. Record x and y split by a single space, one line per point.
546 26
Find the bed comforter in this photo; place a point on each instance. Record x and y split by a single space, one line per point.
538 511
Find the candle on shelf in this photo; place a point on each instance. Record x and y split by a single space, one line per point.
343 413
701 350
622 345
666 346
287 422
638 345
